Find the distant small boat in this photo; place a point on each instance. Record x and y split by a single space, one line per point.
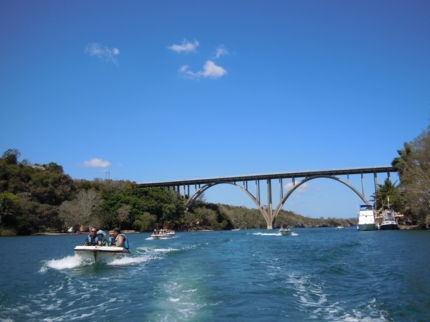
340 227
162 233
100 253
285 231
235 229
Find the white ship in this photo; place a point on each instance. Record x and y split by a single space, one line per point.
366 218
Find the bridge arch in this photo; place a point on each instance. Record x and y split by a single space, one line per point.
201 190
268 215
284 199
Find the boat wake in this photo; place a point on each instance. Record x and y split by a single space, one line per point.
312 298
128 260
75 261
266 234
273 234
64 263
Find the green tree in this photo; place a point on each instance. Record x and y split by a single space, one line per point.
9 203
388 193
415 183
53 167
401 162
11 156
145 222
51 187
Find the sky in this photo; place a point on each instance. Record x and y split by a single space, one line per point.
168 90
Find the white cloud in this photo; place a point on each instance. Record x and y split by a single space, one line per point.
210 70
96 163
220 51
185 46
104 53
304 187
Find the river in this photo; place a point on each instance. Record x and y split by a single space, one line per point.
247 275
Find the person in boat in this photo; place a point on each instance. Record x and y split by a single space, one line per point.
92 239
111 240
120 239
102 240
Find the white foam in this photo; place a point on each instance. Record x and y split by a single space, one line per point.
165 250
267 234
64 263
127 260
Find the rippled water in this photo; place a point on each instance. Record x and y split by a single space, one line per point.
247 275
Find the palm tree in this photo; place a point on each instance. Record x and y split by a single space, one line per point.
401 161
387 193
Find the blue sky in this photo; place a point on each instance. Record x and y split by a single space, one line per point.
170 90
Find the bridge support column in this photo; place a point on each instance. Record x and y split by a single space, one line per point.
281 192
269 219
375 177
257 188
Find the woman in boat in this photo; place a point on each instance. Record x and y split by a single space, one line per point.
111 240
120 239
102 240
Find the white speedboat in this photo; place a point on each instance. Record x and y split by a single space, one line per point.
162 233
285 231
100 253
366 218
235 229
340 227
388 220
170 232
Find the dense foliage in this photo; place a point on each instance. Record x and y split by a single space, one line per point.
39 198
413 166
411 197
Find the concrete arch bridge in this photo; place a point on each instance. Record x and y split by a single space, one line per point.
193 188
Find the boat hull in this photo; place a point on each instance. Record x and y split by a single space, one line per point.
366 227
285 232
160 236
100 253
389 227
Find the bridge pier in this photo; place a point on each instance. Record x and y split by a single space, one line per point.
269 219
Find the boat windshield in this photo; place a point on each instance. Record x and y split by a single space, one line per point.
366 207
389 217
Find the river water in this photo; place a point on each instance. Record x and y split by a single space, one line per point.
248 275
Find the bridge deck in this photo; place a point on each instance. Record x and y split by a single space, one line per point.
280 175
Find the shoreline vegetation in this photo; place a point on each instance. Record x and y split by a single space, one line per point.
401 227
42 199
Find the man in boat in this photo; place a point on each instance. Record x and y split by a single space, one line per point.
120 239
92 239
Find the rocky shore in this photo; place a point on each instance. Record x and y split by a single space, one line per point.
410 227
